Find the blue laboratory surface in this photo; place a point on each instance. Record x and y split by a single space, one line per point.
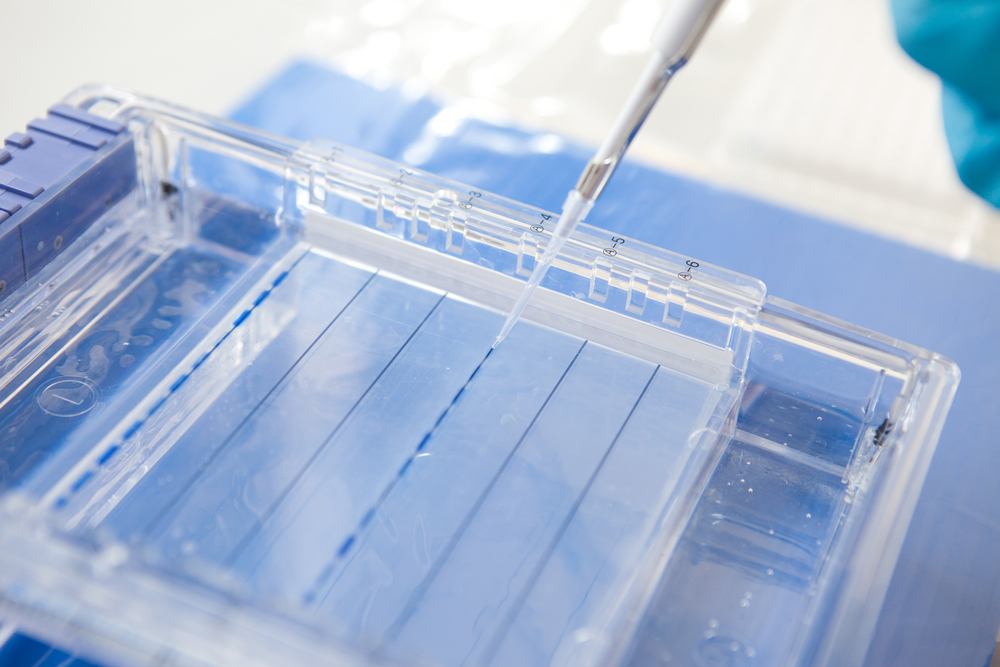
944 603
23 651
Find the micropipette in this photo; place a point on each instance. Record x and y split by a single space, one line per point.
674 41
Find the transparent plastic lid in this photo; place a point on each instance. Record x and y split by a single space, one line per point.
251 416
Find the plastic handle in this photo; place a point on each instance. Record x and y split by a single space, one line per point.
683 26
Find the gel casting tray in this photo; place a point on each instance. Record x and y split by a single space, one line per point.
249 416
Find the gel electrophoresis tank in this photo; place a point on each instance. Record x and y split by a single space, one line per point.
249 414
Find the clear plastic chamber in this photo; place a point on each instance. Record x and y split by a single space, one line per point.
251 417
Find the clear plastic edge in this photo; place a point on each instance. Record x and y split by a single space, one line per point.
167 617
850 619
838 627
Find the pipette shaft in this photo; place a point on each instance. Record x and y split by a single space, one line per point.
675 40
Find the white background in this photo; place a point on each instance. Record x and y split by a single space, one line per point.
805 102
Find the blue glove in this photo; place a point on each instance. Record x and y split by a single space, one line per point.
960 41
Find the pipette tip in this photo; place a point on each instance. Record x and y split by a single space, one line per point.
519 305
575 209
